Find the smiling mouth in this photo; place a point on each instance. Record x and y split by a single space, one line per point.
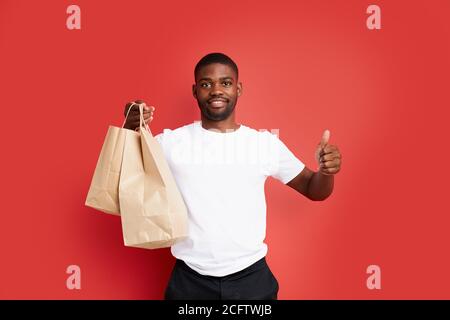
217 104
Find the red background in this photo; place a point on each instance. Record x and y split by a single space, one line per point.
306 66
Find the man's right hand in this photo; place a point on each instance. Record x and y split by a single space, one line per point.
132 121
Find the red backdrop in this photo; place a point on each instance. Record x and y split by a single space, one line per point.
305 66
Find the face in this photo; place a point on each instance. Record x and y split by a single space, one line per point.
216 90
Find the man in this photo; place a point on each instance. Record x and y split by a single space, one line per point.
220 167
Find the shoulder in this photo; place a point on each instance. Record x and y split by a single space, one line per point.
180 132
262 134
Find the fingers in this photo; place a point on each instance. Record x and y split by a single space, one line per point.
329 148
136 117
133 119
135 107
148 118
329 171
331 163
330 156
330 160
146 108
134 112
330 166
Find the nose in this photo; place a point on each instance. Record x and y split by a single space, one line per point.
215 90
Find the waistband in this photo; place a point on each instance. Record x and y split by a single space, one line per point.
258 265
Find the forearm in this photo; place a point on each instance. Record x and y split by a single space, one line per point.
320 186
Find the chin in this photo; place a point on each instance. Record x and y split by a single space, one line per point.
225 114
215 117
219 117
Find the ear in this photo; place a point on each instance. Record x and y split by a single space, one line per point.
239 89
194 91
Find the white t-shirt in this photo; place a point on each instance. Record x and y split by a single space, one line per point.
221 177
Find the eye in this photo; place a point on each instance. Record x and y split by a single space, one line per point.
204 85
227 83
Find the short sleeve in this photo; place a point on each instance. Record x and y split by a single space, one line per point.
164 137
285 166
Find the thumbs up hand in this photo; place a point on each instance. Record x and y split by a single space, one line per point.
328 156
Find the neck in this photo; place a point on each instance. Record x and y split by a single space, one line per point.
223 125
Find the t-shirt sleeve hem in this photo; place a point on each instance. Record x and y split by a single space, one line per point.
299 168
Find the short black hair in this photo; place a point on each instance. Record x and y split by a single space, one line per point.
216 57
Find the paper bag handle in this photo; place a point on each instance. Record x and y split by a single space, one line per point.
141 120
141 113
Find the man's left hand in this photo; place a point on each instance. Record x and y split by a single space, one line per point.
328 156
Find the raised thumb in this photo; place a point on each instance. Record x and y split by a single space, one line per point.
325 138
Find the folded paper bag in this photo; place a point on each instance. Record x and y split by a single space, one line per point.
133 179
103 192
153 212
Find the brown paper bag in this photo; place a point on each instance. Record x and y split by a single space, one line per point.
152 209
103 192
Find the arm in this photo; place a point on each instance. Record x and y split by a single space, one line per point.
315 186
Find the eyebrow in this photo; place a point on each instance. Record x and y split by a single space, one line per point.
223 78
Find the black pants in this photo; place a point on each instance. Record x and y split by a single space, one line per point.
254 282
